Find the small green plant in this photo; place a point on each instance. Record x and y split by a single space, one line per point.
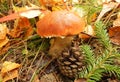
104 63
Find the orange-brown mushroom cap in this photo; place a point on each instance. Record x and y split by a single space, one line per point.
60 23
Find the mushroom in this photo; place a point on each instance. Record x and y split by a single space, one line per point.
62 26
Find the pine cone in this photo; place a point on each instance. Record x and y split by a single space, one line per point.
71 60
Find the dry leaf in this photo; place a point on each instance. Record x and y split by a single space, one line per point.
9 70
3 38
117 21
88 32
10 75
3 31
114 34
10 17
107 7
31 13
28 12
3 42
8 66
22 27
4 49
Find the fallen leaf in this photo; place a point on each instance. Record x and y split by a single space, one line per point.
3 38
10 75
9 70
114 34
117 21
107 7
29 12
87 33
4 49
10 17
3 42
3 31
22 26
8 66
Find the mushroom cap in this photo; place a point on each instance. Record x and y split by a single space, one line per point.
59 24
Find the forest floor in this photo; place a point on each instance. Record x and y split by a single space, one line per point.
24 54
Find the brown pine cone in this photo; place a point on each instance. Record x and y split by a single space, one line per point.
71 60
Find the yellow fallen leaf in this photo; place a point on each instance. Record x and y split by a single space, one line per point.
5 48
3 42
3 31
10 75
8 66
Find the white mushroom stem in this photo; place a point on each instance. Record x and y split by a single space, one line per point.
58 45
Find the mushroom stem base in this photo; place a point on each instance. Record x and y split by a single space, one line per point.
58 45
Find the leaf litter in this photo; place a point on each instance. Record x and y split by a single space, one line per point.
18 43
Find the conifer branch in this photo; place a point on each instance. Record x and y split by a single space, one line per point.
89 55
104 63
101 33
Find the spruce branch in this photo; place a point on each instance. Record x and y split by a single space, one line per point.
112 69
95 69
101 33
92 71
97 66
89 55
